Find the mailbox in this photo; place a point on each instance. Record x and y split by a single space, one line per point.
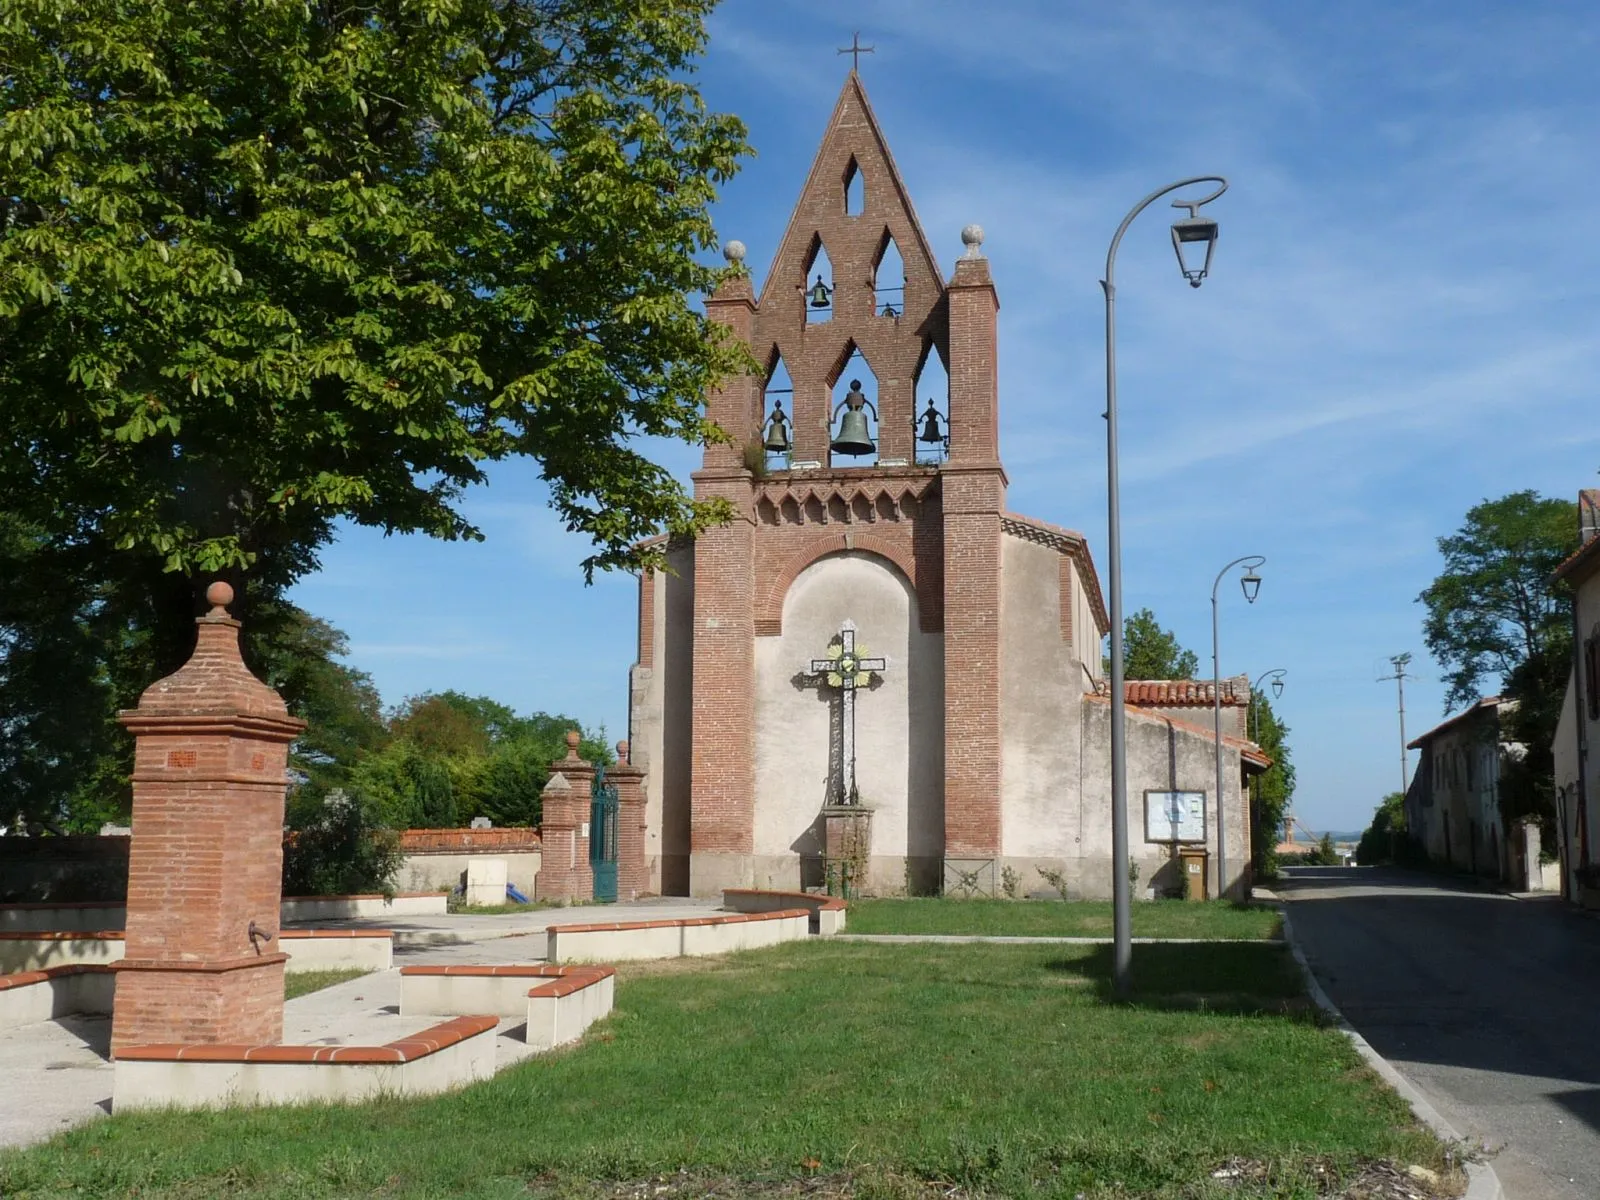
1193 860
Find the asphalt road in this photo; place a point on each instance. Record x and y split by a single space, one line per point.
1489 1004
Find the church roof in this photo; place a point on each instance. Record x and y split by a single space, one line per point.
1184 693
1067 541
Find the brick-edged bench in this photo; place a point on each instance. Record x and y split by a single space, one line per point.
308 949
91 915
827 912
337 949
29 997
562 1002
38 951
445 1056
630 940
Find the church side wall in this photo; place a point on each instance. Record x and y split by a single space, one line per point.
899 728
1087 640
660 723
1041 690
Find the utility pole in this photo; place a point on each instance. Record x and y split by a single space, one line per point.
1399 662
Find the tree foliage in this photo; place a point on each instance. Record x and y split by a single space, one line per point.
266 265
339 846
1272 792
1151 652
1493 616
1386 839
1491 609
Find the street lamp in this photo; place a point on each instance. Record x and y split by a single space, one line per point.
1250 582
1191 234
1276 675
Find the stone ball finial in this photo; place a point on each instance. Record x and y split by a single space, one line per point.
734 252
622 751
219 595
572 741
972 238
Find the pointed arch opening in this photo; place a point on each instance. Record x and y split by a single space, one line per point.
853 428
855 190
777 422
817 283
889 279
931 414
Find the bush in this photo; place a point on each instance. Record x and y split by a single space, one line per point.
1323 854
339 848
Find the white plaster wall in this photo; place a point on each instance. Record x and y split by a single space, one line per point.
1086 635
1041 689
1565 751
899 723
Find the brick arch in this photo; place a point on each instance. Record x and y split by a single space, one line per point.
895 551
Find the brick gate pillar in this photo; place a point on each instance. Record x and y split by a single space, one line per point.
564 871
205 868
633 868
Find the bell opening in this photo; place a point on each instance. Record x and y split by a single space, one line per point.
932 388
855 190
777 430
853 436
889 280
818 285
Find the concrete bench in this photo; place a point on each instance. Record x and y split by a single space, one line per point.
634 940
90 916
562 1002
308 949
438 1059
33 996
827 912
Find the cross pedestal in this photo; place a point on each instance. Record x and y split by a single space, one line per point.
847 847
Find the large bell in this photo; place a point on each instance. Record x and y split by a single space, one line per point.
930 435
777 432
854 437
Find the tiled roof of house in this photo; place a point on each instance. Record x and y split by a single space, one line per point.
1580 563
1184 693
1486 704
1248 750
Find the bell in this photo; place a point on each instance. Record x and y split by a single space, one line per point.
820 293
854 438
777 433
930 434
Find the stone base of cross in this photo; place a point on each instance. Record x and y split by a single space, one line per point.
847 668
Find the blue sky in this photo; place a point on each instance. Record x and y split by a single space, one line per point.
1401 321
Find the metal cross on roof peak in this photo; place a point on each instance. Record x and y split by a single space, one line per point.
855 49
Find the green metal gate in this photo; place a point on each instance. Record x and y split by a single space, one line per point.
603 837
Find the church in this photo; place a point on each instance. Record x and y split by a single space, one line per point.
876 675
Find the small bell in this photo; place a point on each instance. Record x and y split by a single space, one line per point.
930 435
820 293
854 438
889 310
777 432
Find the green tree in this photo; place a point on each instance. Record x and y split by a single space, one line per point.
1271 792
265 266
1491 609
1151 652
1492 616
339 846
1386 839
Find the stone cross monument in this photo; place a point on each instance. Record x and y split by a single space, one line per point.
847 823
205 868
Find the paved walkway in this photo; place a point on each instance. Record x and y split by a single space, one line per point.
1485 1002
57 1074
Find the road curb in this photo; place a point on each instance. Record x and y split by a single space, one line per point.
1482 1182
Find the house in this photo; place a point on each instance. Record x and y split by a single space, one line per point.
1580 713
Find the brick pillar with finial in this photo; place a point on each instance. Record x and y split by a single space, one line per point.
633 869
564 870
205 868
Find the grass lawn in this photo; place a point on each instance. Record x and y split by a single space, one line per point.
890 1071
1062 918
303 983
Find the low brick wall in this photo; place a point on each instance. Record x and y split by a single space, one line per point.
438 858
337 949
634 940
446 1056
827 912
33 996
562 1003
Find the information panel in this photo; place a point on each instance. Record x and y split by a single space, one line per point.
1175 816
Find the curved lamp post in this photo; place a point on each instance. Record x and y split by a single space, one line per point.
1251 583
1192 231
1276 675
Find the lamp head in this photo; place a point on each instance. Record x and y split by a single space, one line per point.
1277 687
1251 583
1193 232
